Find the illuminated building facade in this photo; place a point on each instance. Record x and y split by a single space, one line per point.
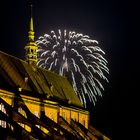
37 103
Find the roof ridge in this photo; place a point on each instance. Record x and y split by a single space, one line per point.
34 66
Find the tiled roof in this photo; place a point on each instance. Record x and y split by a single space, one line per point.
15 72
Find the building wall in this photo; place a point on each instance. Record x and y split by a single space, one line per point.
78 115
6 96
84 119
52 109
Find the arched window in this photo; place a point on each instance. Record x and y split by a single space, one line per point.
2 122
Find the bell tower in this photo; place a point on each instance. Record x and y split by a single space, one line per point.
31 47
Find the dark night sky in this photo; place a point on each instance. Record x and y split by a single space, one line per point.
106 22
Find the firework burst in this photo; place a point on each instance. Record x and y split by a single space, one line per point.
77 57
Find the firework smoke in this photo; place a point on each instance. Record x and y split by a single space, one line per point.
77 57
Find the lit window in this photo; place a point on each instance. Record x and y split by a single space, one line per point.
2 123
22 112
37 115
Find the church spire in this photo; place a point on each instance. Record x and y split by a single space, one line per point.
31 47
31 20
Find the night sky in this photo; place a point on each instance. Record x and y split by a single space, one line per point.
106 22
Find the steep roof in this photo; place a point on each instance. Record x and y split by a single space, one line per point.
15 72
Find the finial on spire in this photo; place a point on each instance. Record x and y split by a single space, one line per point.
31 18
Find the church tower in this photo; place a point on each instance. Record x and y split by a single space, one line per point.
31 47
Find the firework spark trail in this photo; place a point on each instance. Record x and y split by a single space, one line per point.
77 57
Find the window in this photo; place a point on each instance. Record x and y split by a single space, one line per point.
31 50
37 115
2 123
22 112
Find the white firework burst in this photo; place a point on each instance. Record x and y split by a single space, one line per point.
77 57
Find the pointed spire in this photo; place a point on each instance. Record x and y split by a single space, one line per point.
31 28
31 47
31 19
